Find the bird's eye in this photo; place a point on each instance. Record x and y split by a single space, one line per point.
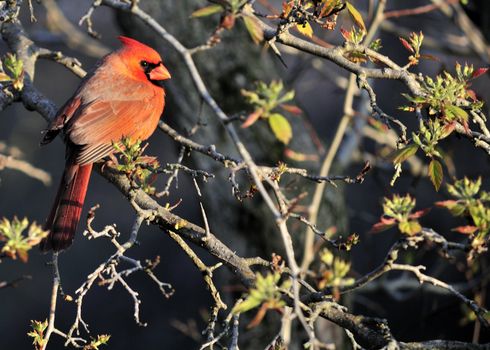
144 64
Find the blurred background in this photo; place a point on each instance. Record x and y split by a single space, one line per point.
414 313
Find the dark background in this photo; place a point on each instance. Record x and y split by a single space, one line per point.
422 314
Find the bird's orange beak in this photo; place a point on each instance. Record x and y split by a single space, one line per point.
160 73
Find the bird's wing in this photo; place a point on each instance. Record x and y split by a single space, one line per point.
100 124
59 121
107 106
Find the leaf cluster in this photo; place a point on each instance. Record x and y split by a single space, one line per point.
333 270
301 13
448 101
12 71
399 211
37 334
102 339
414 44
131 160
472 203
266 294
14 242
265 100
449 96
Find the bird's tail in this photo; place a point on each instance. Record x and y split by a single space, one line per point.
67 208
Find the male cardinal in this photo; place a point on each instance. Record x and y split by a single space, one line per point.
121 98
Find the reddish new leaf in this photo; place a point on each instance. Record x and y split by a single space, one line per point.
403 154
300 157
259 316
446 204
407 45
228 22
479 72
292 109
453 206
430 57
252 118
465 230
383 225
286 8
378 125
472 95
419 213
346 34
448 129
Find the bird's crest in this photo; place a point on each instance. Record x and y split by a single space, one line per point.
132 46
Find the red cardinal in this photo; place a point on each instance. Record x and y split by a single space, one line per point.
121 98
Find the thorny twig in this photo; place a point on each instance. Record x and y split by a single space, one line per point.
173 176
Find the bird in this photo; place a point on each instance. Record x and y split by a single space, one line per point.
122 97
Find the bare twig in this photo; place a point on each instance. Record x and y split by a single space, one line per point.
54 298
205 270
479 311
72 35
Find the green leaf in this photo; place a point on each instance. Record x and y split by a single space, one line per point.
288 96
403 154
414 99
328 6
281 128
247 304
14 65
435 173
16 69
455 113
305 29
207 11
376 45
4 77
355 15
410 227
253 28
